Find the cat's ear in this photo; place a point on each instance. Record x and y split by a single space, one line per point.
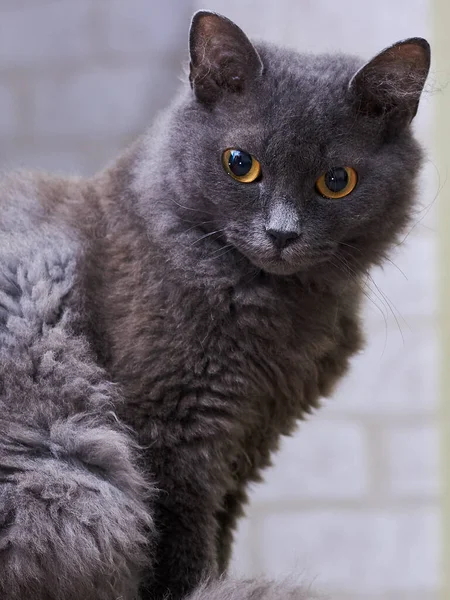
390 85
222 58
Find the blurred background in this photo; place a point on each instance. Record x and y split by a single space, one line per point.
354 501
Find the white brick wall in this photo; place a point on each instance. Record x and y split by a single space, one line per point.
95 102
389 549
79 79
395 375
311 473
53 32
410 461
135 28
351 504
9 115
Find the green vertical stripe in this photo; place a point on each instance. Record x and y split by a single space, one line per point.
441 71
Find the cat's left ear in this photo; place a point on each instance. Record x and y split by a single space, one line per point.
390 85
222 58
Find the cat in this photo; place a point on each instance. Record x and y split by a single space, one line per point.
163 323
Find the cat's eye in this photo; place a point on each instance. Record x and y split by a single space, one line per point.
241 165
337 183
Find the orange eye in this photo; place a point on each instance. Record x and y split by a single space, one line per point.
241 165
337 183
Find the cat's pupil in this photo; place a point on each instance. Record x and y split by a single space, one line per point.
240 163
336 179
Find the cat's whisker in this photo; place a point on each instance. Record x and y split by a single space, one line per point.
216 254
390 307
396 266
207 235
254 275
385 257
384 313
393 309
197 210
427 209
194 223
350 246
346 265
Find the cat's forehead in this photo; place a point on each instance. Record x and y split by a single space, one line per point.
296 84
301 101
296 93
282 61
306 69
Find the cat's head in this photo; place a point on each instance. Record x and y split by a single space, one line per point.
296 160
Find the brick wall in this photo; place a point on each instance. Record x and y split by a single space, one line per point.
352 502
79 79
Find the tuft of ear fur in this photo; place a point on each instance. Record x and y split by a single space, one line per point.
222 58
390 85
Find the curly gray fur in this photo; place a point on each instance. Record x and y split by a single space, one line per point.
73 524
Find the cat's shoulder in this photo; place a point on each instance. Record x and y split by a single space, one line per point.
28 199
32 220
38 247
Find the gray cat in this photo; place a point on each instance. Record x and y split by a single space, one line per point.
164 323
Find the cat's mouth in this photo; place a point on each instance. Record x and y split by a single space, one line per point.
285 261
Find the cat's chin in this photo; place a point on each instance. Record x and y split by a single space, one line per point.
280 265
280 268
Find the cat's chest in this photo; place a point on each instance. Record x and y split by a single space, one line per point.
228 359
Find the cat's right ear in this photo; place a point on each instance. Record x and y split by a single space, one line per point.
222 58
390 85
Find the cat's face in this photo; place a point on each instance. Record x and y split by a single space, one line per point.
293 160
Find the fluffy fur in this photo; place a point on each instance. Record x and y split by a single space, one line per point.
151 297
72 518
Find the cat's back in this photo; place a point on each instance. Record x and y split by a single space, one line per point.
30 199
40 248
36 221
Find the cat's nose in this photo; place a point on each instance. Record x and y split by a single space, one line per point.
282 238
